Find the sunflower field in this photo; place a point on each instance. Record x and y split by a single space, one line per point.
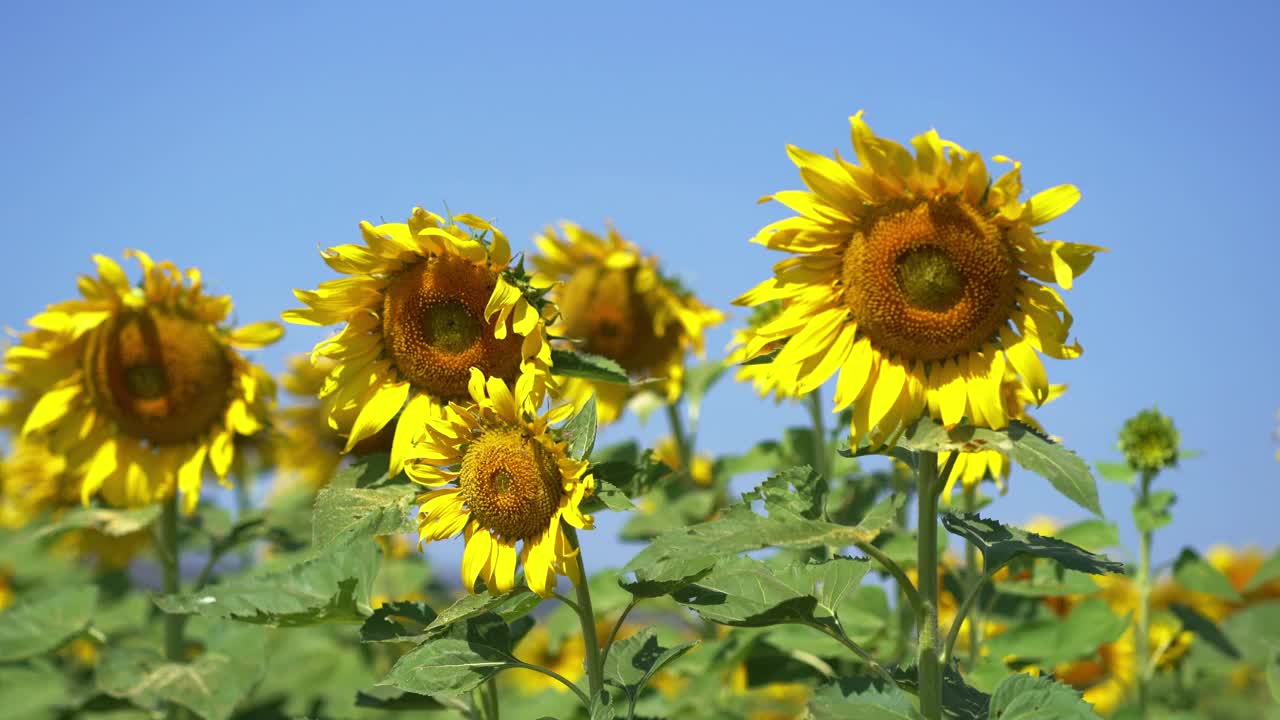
427 484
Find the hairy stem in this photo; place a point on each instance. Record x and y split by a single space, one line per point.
1144 598
682 440
975 579
929 667
964 609
174 645
613 634
586 616
821 454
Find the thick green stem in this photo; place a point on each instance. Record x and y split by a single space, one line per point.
821 452
490 690
174 645
682 440
928 644
908 599
586 616
975 578
1144 598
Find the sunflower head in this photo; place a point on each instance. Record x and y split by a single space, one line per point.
617 303
504 477
423 303
135 386
1149 441
918 280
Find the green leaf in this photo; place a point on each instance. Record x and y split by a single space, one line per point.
699 379
210 686
1268 571
332 587
456 661
586 365
607 599
397 622
750 593
1116 472
1093 534
764 359
607 495
1000 543
631 479
859 699
1205 628
1195 573
386 698
1062 468
685 554
580 430
1051 640
1023 697
960 701
668 509
108 521
347 514
1049 580
1272 670
796 492
1154 514
365 471
508 606
43 624
632 662
36 690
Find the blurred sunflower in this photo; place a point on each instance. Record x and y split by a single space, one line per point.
972 468
703 465
307 449
918 280
515 483
36 484
425 302
618 304
137 386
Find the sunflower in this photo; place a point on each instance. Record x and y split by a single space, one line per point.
425 302
515 483
136 387
919 280
617 303
766 383
971 468
307 450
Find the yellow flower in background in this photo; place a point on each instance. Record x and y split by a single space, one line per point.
307 449
36 484
618 304
667 451
770 701
918 280
424 303
515 484
972 468
136 386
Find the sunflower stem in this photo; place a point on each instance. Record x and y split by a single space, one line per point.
928 664
821 454
1144 597
174 644
586 616
682 440
975 578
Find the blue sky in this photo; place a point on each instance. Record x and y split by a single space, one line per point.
242 137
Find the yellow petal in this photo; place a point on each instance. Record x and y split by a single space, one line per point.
854 374
1026 363
951 395
377 412
50 408
886 391
190 474
255 335
504 570
221 453
475 557
102 465
1049 204
408 428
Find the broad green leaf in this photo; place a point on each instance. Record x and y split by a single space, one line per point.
387 698
750 593
1023 697
586 365
632 662
698 381
617 481
602 706
1205 628
1048 579
210 686
668 509
607 495
960 700
331 587
580 430
1268 571
1116 472
1154 514
33 690
1000 543
1062 468
1195 573
42 624
796 492
1093 534
108 521
1273 674
1048 641
509 606
859 699
456 661
349 514
365 471
397 622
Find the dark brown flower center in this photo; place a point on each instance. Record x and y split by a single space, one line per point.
510 483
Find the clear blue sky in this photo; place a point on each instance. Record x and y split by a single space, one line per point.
239 137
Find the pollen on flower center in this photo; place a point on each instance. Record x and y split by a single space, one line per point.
510 483
433 321
159 376
603 308
929 279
